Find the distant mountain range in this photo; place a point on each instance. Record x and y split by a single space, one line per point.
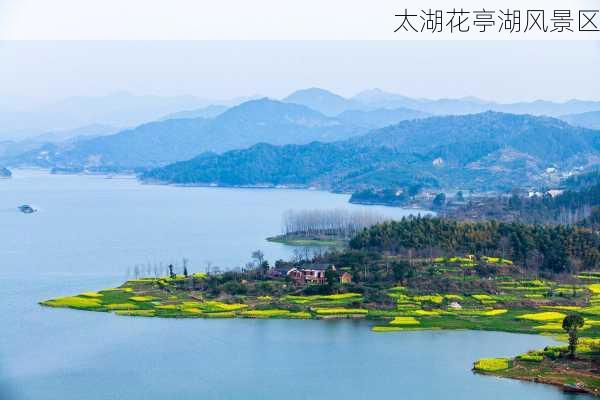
589 120
380 117
323 101
309 115
481 151
117 109
56 140
209 112
162 142
332 104
122 109
80 133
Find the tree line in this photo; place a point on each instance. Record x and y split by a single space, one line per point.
335 222
579 202
556 249
568 208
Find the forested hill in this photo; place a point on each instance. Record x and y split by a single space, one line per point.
480 151
554 249
326 165
466 138
583 181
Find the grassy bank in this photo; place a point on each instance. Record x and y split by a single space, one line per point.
308 242
163 298
551 365
514 310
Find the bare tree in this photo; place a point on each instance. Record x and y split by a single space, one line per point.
336 222
259 256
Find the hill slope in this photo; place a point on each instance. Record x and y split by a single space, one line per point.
174 139
332 104
464 138
163 142
481 151
208 112
380 117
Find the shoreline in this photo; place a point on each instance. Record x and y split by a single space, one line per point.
266 186
167 298
567 379
544 381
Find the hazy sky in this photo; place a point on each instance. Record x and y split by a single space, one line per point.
495 70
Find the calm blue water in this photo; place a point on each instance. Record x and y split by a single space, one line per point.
90 230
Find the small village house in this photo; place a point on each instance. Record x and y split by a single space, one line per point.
345 278
315 274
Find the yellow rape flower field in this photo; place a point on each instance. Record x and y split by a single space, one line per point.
74 302
340 311
142 298
492 364
275 313
594 288
543 316
404 321
521 306
91 294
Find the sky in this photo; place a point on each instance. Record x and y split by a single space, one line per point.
504 71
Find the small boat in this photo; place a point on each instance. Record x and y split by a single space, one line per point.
574 388
27 209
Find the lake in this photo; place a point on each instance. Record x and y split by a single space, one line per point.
90 231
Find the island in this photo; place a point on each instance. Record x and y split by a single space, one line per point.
5 172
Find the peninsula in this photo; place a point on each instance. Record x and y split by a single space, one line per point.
445 275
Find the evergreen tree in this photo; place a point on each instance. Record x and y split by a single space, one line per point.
571 324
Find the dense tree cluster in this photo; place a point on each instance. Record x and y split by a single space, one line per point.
593 221
554 249
581 181
568 208
575 205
